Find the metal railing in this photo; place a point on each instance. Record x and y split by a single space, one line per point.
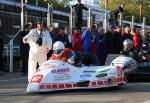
10 52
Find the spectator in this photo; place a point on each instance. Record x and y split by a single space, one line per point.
135 39
1 52
119 10
77 42
117 40
63 38
40 43
86 41
53 36
24 49
66 31
99 41
78 10
51 32
127 34
93 33
108 41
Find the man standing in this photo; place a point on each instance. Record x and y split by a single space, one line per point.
40 43
78 10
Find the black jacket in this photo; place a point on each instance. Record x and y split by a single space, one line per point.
24 48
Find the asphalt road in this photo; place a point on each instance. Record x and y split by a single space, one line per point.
13 90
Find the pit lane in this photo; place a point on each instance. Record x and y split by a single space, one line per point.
13 90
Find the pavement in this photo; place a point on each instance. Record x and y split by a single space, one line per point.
13 90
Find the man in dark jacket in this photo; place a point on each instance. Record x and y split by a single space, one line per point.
78 10
1 52
24 49
117 40
108 41
127 34
63 38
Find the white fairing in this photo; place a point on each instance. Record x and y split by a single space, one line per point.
127 63
56 75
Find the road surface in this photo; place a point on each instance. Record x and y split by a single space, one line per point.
13 90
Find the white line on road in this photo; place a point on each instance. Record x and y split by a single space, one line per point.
147 101
7 80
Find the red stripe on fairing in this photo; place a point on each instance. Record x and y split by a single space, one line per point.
42 86
120 80
73 85
57 86
68 85
61 86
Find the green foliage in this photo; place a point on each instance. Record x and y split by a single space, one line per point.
132 7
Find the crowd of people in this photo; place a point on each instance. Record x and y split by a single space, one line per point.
92 42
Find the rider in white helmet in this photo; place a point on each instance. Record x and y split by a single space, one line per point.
128 49
61 53
128 44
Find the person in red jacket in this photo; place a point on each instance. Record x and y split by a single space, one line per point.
135 39
62 54
77 42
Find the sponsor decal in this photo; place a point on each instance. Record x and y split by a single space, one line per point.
105 70
89 71
119 70
64 70
49 65
36 79
101 75
85 75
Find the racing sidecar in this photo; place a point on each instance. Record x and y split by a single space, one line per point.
57 75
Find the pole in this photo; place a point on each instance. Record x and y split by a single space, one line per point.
26 15
71 20
48 16
89 18
132 22
105 17
37 2
22 15
143 27
11 56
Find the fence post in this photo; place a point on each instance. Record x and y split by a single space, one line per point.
89 18
120 19
143 27
22 15
132 22
70 21
11 56
26 14
50 15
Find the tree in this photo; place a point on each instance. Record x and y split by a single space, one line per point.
131 8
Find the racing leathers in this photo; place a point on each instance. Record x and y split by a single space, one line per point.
144 56
38 50
68 56
131 53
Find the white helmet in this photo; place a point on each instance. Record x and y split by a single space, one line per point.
127 44
58 48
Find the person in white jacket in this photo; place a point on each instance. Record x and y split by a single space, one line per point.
40 43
